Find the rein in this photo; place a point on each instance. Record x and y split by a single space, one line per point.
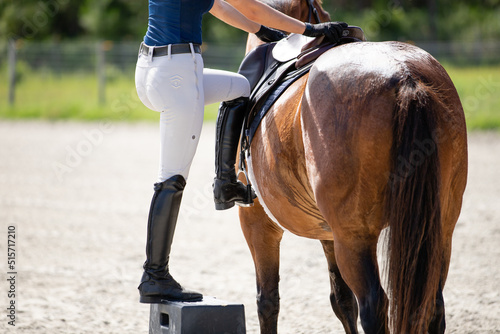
312 11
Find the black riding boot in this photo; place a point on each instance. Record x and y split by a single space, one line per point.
157 283
227 189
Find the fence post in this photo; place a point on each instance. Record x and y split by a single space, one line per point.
101 72
12 71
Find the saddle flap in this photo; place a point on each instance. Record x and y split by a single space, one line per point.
256 62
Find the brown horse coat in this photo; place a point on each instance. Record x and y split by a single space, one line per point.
373 137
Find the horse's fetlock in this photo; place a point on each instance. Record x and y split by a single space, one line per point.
268 308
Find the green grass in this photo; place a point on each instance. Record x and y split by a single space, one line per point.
479 91
75 96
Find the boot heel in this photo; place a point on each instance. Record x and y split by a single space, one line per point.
150 300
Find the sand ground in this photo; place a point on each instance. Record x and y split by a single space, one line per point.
78 196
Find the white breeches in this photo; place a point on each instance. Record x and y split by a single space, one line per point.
179 87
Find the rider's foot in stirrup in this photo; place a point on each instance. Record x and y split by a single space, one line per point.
227 194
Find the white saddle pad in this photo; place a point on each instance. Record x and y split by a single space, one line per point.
290 47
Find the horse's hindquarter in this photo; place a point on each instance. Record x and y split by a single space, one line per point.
322 156
347 122
278 168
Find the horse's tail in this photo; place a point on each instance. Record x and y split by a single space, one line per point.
414 211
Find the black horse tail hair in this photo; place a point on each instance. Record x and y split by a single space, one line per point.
414 212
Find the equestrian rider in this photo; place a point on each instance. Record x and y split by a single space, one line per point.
170 79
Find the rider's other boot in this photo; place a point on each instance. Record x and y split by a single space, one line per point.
157 284
227 189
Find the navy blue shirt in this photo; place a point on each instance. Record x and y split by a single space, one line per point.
175 21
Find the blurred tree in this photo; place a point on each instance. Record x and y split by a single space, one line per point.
214 30
114 19
36 19
127 19
432 10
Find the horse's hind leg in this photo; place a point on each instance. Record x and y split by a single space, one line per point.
263 238
358 264
449 220
438 323
341 297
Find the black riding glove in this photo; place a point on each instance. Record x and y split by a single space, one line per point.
331 30
269 35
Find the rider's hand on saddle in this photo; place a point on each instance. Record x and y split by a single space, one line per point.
331 30
269 35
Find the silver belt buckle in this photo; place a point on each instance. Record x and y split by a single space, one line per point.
151 50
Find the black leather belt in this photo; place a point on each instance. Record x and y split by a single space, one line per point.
160 51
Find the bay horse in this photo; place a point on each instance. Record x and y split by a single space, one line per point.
373 137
